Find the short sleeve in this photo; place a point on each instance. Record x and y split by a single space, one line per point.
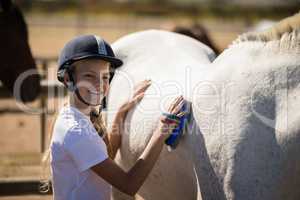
85 147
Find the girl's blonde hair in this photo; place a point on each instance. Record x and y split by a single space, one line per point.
99 125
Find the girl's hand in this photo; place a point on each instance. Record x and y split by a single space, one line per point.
167 125
139 92
114 137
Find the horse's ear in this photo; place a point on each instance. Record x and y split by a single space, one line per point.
5 5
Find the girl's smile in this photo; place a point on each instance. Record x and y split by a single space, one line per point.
94 92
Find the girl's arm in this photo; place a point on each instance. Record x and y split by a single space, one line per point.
113 138
130 182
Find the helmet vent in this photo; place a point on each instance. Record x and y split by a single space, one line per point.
101 45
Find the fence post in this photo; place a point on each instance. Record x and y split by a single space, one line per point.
43 119
43 105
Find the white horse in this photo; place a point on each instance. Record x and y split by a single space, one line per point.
242 139
262 25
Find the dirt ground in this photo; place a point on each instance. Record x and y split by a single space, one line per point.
27 197
48 34
36 197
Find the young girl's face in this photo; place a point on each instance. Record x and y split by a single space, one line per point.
92 79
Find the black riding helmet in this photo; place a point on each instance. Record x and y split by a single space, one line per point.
84 47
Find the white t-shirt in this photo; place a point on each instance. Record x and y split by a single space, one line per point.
75 147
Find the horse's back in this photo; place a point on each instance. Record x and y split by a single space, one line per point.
256 131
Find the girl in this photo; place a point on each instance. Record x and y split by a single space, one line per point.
82 163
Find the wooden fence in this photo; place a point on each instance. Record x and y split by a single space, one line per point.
46 86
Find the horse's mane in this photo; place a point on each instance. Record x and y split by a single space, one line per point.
283 37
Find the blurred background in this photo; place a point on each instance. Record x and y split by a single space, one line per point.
51 23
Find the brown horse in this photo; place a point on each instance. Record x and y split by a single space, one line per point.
199 33
18 72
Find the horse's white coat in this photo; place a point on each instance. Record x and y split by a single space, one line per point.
242 141
262 25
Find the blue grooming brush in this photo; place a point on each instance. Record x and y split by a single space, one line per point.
173 140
